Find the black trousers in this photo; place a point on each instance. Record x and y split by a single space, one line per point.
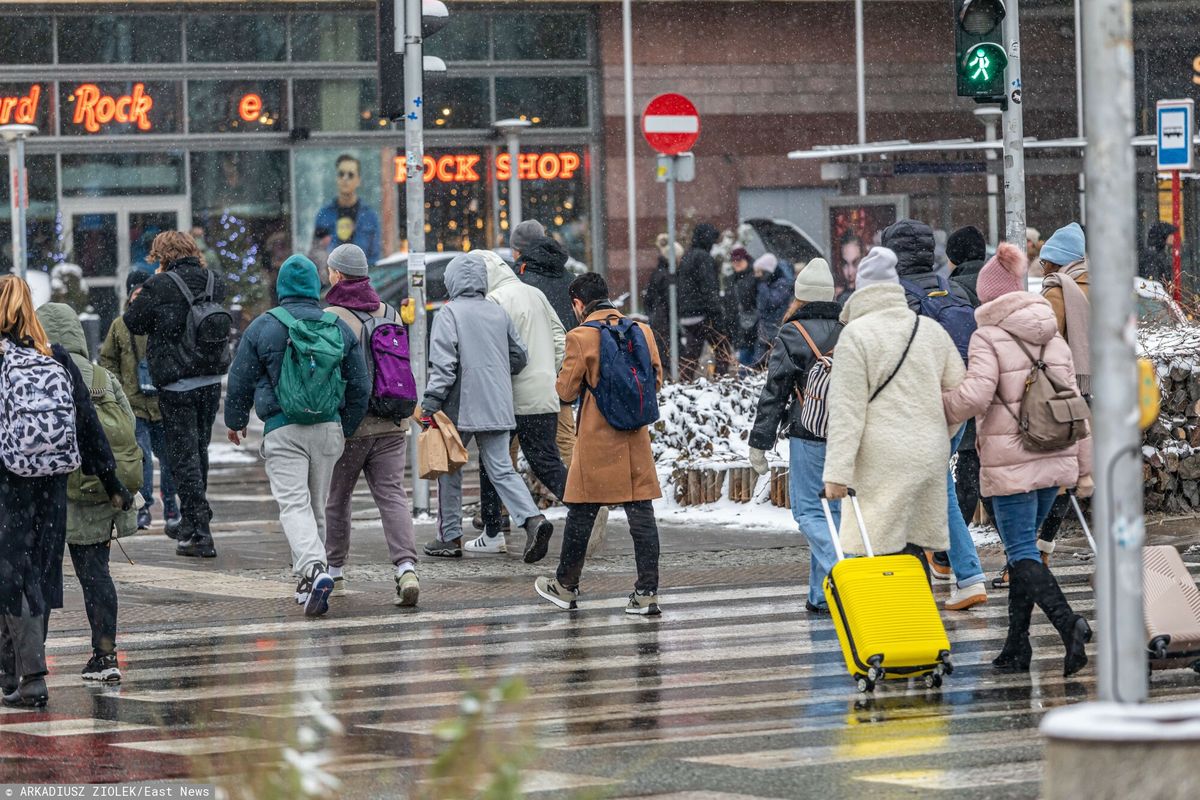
537 434
1054 521
692 347
966 483
642 527
188 419
99 593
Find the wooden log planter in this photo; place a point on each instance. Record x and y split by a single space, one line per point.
696 486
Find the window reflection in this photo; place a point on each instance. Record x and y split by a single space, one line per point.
230 38
249 106
119 39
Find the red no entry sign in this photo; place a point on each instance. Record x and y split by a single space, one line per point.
671 124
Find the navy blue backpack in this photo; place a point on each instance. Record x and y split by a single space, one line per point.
953 313
626 393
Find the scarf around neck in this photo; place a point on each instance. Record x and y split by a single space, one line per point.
356 295
1079 316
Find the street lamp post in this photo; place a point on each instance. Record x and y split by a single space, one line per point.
989 116
511 130
15 136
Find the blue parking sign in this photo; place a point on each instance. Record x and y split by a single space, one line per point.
1176 127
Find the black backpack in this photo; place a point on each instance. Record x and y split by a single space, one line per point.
204 348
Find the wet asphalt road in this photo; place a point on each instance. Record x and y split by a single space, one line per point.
734 693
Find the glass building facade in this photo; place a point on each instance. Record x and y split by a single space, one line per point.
236 121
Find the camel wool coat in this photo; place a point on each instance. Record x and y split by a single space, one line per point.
609 466
895 450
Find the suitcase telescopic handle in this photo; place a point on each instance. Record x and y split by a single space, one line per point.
1087 530
858 516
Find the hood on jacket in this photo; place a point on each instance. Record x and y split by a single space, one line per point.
545 256
705 236
298 278
499 273
873 299
912 242
63 328
467 276
1157 235
1024 315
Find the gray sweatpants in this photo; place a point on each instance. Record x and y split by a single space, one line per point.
493 454
300 461
382 459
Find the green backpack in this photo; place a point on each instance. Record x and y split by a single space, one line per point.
120 430
311 387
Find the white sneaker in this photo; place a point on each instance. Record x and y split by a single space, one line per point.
486 545
962 599
599 531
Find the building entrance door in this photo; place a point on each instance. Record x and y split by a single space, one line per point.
111 236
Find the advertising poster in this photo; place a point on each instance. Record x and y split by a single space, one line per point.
337 199
855 225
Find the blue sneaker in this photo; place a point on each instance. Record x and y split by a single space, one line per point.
313 590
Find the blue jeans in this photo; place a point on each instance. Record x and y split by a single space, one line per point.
152 438
1018 517
964 559
806 467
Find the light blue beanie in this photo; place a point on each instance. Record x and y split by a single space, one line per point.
1066 246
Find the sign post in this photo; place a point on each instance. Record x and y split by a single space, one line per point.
671 126
18 189
1176 126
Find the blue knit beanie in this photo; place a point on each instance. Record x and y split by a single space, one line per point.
1066 246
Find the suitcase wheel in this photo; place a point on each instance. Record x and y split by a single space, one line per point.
933 681
1158 647
865 684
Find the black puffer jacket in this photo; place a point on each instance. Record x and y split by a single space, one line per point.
1157 263
161 311
741 309
787 370
544 266
912 242
699 293
966 276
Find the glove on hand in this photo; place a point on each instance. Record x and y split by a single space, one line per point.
758 460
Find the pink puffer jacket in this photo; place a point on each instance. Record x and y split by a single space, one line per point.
996 373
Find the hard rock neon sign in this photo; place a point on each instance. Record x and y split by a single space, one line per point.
94 108
465 168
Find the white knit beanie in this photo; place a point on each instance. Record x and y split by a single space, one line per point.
878 266
814 284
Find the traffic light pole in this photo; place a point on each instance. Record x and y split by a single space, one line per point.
1014 131
414 195
1112 253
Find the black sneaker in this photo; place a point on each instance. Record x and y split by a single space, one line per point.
102 668
198 546
439 549
538 531
313 590
143 518
505 524
172 523
813 608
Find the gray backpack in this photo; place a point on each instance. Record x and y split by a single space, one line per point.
1052 416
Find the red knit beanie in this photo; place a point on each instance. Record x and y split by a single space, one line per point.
1003 273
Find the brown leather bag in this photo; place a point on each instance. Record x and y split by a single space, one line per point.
1052 416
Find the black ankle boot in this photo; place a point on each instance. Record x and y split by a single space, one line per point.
1073 629
30 693
1017 652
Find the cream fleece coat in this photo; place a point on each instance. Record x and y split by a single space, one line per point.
894 451
996 378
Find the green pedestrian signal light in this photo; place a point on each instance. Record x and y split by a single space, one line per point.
979 54
983 67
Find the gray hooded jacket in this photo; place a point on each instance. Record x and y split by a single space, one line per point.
474 350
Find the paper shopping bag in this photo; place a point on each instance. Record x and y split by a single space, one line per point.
456 451
432 458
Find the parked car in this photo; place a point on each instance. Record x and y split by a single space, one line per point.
785 239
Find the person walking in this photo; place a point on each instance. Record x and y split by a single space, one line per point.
699 302
1017 330
92 521
887 433
773 295
656 299
929 293
1156 263
611 467
809 334
33 485
535 403
124 355
542 263
378 447
474 352
302 370
187 353
967 249
741 308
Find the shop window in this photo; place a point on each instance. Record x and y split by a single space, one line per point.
337 105
545 101
44 235
465 38
120 39
120 108
456 199
457 103
28 104
338 190
333 37
540 37
27 40
106 174
240 199
234 38
244 106
554 191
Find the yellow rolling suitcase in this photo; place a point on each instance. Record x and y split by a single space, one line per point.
885 616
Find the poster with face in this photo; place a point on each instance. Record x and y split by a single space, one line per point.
338 194
855 226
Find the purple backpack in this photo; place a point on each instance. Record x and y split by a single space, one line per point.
384 343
